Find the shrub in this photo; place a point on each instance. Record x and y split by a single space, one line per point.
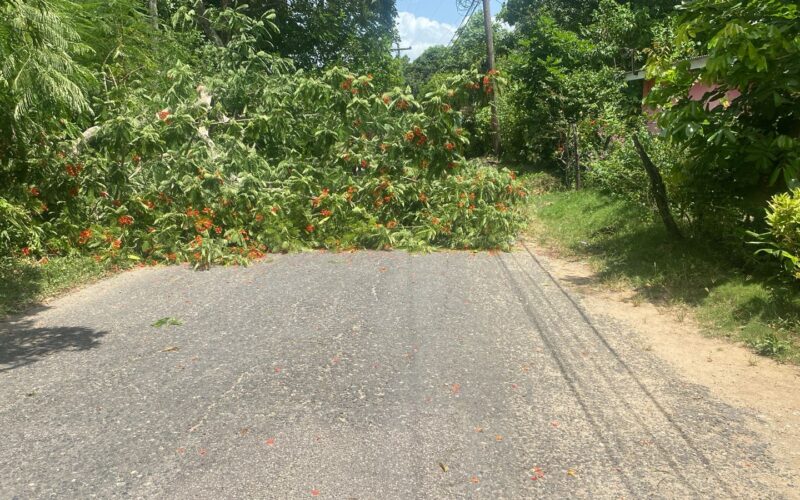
615 167
542 182
782 239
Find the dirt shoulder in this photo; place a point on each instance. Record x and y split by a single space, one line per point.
730 371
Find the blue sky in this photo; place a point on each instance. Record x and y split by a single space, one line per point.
424 23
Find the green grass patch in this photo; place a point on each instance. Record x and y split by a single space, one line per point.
627 245
167 322
24 282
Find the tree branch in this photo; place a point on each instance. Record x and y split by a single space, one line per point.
200 8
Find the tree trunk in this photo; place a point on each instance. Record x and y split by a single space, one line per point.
659 191
153 9
200 8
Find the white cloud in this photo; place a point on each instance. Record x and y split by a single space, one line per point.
419 33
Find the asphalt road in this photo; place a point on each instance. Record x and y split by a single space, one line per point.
355 375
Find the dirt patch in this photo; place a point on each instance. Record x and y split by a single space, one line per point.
730 371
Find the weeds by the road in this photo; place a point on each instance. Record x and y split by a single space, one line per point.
626 245
24 282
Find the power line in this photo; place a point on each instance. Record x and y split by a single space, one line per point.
470 10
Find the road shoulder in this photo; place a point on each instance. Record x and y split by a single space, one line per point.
730 371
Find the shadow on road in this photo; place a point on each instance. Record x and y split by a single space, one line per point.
22 344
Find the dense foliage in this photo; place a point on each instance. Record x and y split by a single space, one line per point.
121 121
320 34
753 65
230 152
567 106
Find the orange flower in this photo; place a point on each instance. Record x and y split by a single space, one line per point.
203 224
326 213
35 191
275 209
364 164
217 229
409 136
163 115
423 197
117 243
125 220
73 170
449 146
391 224
386 99
85 236
259 217
26 251
254 253
310 228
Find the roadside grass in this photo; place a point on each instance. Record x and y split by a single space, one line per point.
24 282
627 246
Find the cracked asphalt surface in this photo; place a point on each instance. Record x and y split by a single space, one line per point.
356 375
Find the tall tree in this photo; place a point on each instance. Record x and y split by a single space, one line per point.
321 33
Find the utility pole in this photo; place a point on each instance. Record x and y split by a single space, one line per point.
487 24
397 49
578 183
